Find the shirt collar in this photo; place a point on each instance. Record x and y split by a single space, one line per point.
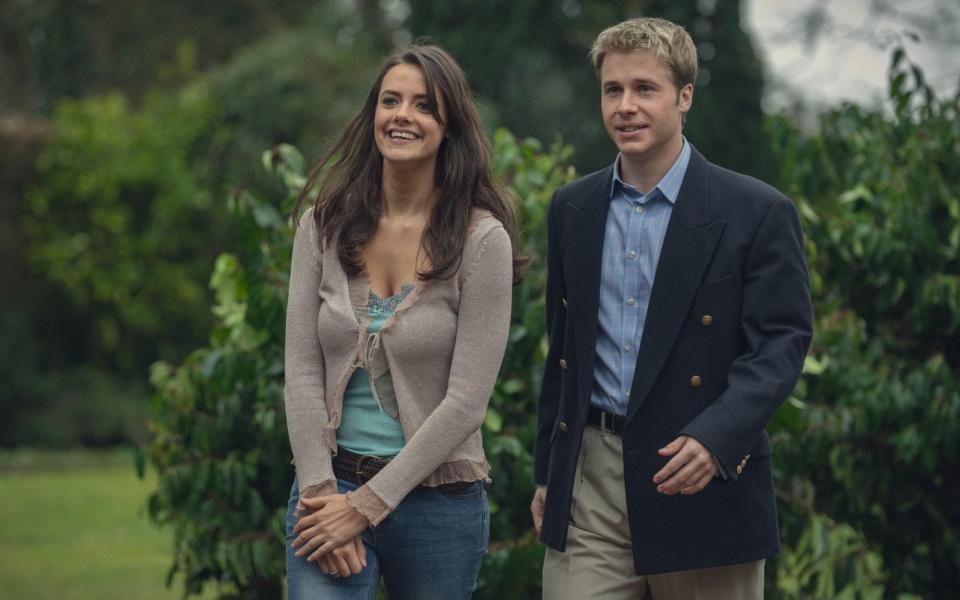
669 185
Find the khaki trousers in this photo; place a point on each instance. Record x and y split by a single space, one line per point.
598 562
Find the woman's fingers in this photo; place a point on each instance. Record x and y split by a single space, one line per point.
341 564
308 541
315 503
305 521
361 550
328 566
325 548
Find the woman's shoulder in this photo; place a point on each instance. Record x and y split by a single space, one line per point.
307 223
487 240
482 222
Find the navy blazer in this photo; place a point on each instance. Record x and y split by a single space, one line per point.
727 330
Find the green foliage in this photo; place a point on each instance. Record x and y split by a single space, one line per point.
220 444
512 568
118 226
95 409
879 438
297 86
60 48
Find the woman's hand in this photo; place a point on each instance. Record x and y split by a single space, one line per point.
332 523
348 559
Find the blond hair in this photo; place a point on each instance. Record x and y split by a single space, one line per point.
664 39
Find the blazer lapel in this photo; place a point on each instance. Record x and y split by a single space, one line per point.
687 249
584 226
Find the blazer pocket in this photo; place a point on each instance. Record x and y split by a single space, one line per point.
716 287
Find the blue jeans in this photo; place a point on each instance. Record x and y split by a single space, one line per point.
430 547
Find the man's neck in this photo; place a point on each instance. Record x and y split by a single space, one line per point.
645 172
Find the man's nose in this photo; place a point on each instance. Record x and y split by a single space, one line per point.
627 103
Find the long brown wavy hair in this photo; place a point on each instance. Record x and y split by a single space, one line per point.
347 181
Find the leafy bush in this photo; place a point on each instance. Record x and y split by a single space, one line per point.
119 227
877 443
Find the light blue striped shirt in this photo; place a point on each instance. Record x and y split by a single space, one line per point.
635 228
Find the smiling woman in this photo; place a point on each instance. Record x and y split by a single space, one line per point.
397 319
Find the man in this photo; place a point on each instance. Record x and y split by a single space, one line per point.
678 310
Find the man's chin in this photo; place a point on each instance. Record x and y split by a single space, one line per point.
634 151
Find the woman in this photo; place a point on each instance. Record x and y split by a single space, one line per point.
397 320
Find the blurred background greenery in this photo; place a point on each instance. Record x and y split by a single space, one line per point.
144 245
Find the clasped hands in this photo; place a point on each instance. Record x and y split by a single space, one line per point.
331 534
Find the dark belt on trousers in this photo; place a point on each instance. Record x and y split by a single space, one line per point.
606 421
360 468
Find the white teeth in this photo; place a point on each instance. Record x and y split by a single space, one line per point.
628 129
403 134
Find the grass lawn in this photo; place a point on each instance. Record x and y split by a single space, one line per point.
73 526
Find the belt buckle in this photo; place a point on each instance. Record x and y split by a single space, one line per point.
358 468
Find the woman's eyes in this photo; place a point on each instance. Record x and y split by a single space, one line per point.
421 106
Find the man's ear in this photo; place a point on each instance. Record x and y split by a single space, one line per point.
685 98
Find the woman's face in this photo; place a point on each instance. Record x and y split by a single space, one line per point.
405 129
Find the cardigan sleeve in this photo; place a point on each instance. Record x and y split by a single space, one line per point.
304 367
483 323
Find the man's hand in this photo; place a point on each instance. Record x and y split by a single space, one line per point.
689 471
333 523
536 507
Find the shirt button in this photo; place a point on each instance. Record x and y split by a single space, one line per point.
627 394
631 300
563 426
632 254
639 208
628 347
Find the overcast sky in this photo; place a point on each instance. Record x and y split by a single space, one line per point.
849 61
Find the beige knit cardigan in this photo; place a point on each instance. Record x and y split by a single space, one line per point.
444 345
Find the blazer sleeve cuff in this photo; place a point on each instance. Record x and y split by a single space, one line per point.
723 471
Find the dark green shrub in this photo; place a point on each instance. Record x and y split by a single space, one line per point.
877 440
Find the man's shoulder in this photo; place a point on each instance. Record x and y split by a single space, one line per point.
729 186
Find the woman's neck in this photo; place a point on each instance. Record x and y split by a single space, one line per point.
409 191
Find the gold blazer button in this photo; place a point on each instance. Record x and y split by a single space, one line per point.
739 469
707 320
564 301
563 426
563 364
695 381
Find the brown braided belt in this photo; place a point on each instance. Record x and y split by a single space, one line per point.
360 468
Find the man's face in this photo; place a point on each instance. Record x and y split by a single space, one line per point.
642 109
